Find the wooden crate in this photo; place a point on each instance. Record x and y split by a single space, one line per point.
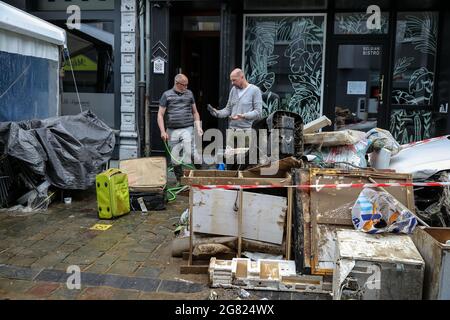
238 178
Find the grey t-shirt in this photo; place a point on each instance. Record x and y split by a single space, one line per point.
178 108
249 104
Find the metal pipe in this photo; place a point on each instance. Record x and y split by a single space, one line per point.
142 74
147 72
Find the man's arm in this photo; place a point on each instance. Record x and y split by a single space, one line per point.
256 113
197 121
161 112
226 112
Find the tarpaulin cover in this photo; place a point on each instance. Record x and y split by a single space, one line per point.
67 151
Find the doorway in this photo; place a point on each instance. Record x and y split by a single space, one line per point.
200 61
358 84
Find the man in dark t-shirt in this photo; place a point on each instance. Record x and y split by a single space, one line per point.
178 105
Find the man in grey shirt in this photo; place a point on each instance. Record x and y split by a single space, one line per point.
178 105
244 106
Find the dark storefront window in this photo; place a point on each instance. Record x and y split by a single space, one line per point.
414 76
356 23
283 55
359 74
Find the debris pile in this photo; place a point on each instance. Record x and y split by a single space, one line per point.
296 227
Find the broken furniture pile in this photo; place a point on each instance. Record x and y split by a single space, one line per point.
310 216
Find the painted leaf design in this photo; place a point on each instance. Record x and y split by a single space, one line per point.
263 80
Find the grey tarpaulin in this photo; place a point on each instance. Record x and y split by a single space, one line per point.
67 151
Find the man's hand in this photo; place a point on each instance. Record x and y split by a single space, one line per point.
212 110
238 117
164 136
200 132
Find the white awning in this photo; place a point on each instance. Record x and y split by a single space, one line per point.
27 35
18 21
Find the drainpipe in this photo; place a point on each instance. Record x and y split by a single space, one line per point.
142 74
147 72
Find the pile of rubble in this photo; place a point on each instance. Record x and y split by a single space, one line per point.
340 219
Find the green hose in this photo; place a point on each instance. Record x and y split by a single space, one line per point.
174 191
177 161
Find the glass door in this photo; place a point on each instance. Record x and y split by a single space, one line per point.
359 85
413 116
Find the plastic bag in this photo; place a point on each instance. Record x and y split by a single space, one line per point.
345 157
378 212
380 138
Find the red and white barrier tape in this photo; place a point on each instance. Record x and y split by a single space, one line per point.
325 186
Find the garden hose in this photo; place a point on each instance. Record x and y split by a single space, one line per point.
190 166
174 191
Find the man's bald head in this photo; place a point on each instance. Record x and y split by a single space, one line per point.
237 73
237 78
181 82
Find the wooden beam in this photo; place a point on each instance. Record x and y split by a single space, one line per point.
316 125
289 223
205 258
201 269
205 181
191 231
241 208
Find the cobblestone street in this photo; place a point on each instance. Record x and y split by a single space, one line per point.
131 260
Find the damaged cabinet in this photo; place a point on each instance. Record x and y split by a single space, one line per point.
434 246
377 267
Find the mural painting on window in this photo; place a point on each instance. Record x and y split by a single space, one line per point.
408 126
356 23
283 56
413 75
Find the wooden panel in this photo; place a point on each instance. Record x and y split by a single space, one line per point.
305 197
216 212
211 177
